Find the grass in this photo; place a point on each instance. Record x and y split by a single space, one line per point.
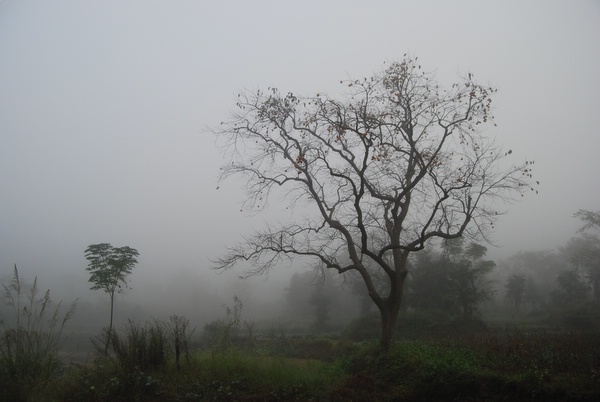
484 365
518 365
493 367
208 375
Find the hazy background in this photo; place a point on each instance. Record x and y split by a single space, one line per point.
104 107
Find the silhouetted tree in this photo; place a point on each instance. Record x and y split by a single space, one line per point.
311 296
540 269
400 159
571 287
454 280
431 285
532 293
109 268
321 300
515 289
468 274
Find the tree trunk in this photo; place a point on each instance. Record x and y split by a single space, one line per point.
177 351
389 310
110 325
596 288
388 327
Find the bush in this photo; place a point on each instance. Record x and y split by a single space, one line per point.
29 340
141 347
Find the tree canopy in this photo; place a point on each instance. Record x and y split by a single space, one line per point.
110 266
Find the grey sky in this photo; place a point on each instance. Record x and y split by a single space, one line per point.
103 106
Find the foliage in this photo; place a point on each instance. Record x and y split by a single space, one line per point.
397 163
110 266
32 332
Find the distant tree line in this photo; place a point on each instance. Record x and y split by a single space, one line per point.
456 282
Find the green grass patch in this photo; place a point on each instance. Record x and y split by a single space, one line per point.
208 375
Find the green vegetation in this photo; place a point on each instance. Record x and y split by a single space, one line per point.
440 357
520 366
444 351
218 373
454 360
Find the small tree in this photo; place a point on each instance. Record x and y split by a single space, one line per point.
109 268
400 160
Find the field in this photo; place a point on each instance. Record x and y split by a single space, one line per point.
497 365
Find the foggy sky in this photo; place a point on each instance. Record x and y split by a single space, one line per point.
104 107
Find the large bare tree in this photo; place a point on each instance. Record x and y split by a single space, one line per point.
396 164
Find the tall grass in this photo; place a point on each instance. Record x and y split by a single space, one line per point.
141 347
31 335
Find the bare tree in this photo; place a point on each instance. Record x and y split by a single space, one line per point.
400 159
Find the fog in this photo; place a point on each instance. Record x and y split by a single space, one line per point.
105 108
